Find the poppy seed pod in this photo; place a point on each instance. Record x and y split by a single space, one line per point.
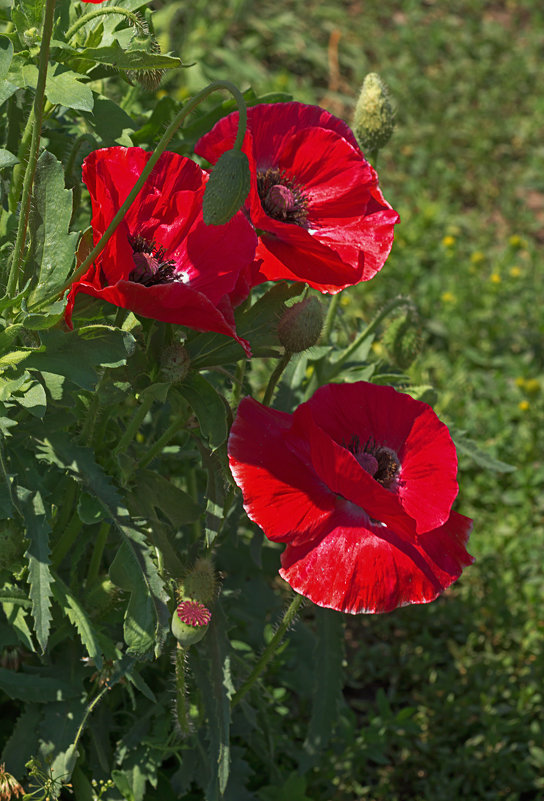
300 326
374 117
190 622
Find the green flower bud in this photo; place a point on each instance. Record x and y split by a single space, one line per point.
175 363
31 37
374 117
227 188
402 338
300 326
190 622
200 584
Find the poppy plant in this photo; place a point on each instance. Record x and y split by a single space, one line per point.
359 483
314 200
162 261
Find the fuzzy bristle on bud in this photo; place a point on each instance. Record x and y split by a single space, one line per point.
374 117
175 363
300 326
227 188
402 338
200 583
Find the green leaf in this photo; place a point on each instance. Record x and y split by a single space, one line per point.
23 739
156 491
12 594
65 89
75 354
111 123
53 248
208 406
115 56
34 399
6 54
213 676
215 497
139 624
7 159
80 620
16 618
482 459
328 681
39 576
36 688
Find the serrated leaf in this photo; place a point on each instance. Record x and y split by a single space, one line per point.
53 247
76 354
115 56
39 576
208 406
16 618
79 618
139 623
12 594
173 502
23 741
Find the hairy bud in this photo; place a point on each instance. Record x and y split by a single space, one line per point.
300 326
402 338
200 584
227 188
374 117
175 363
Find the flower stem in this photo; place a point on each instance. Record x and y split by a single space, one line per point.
134 424
329 319
275 377
69 536
99 12
98 550
37 114
167 136
371 327
269 651
181 704
163 440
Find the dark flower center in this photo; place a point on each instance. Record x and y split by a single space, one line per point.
379 461
281 198
150 266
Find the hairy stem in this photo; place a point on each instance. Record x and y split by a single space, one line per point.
269 651
100 12
275 377
37 115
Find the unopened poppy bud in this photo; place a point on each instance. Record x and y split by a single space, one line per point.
200 583
300 326
402 338
190 622
374 117
175 363
227 188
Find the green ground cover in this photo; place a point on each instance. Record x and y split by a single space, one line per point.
443 702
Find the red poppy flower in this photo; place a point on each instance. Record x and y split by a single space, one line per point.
163 261
359 482
314 200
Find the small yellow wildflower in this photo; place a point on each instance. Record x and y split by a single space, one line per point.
448 241
517 241
448 297
309 371
140 437
520 381
345 300
161 93
515 271
378 348
477 257
524 405
495 278
532 386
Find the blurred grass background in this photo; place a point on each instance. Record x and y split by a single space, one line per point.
444 702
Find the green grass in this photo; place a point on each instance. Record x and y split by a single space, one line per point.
444 702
